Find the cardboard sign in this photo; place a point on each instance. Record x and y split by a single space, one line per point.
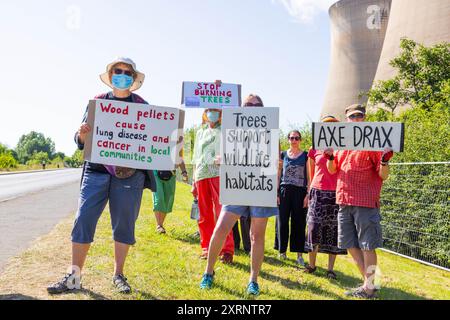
371 136
133 135
210 95
249 157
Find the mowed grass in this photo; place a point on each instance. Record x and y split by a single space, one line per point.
168 267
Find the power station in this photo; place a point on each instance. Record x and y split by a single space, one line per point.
365 37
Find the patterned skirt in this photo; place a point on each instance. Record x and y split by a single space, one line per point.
322 222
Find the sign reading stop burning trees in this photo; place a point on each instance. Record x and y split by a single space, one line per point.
133 135
249 157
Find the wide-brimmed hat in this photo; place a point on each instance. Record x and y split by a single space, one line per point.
355 108
138 81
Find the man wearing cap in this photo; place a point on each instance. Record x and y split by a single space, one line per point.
360 175
121 187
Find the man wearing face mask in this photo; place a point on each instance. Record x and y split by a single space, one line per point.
206 182
121 187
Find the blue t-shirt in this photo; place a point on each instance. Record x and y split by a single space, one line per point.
294 170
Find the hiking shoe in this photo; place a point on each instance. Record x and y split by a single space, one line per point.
301 262
207 281
360 293
160 230
253 288
227 258
68 283
120 282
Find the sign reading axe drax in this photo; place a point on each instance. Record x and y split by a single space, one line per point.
133 135
371 136
210 95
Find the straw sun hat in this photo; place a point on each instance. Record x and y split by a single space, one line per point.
138 81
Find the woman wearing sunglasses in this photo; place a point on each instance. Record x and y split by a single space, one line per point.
293 200
228 217
121 187
322 212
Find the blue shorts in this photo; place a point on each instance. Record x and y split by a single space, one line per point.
124 196
251 211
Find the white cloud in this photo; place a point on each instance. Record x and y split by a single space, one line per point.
304 11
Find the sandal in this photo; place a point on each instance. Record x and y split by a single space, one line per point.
309 269
331 275
160 229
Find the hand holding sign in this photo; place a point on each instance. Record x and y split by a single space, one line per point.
82 132
387 155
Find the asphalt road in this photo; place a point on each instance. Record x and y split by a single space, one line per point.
31 204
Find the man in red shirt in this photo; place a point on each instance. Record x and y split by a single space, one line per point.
360 175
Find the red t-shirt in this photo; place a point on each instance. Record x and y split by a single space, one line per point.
358 182
322 180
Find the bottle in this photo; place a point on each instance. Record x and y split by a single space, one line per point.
194 210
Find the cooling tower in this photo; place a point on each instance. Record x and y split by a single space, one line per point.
424 21
358 29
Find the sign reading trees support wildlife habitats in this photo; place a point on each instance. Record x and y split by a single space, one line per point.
371 136
210 95
133 135
249 156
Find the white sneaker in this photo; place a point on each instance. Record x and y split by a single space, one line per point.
301 262
282 256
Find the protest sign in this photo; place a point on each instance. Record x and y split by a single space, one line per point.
210 95
249 157
370 136
133 135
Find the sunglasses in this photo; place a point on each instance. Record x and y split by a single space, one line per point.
356 116
121 71
294 138
249 104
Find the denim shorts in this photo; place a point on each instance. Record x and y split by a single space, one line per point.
124 196
251 211
359 227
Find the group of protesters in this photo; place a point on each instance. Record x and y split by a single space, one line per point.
328 201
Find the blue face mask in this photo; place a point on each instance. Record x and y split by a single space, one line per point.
122 81
213 116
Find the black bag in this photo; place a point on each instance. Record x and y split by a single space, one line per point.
165 175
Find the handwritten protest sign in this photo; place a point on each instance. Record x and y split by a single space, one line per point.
371 136
210 95
133 135
249 156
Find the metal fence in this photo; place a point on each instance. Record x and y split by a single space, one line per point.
415 207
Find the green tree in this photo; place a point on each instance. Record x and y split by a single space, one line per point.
77 159
422 75
7 159
39 158
34 142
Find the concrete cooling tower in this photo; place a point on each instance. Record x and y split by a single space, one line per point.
358 29
424 21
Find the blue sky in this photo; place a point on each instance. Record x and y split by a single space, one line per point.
54 51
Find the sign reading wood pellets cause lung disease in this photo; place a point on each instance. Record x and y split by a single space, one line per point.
133 135
210 95
370 136
249 157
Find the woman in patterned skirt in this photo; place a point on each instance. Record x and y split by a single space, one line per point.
323 211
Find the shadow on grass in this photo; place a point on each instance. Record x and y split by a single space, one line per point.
188 238
16 296
289 284
387 293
